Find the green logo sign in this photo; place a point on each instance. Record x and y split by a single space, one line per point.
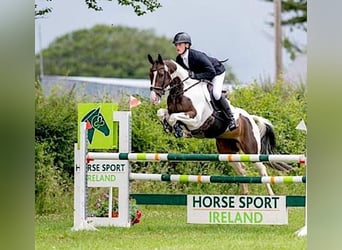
102 131
95 120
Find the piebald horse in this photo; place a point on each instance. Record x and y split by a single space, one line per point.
191 113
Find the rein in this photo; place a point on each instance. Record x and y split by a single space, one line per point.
176 85
163 90
193 85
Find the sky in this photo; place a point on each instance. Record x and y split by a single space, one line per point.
234 29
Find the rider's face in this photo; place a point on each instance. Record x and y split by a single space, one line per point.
180 48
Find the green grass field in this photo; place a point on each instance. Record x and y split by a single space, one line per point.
165 227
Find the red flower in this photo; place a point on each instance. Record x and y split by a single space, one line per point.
136 220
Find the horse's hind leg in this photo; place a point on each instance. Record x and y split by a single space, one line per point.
240 170
262 171
229 146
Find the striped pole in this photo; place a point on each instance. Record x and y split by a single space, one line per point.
218 179
195 157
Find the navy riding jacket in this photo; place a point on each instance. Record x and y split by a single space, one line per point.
204 67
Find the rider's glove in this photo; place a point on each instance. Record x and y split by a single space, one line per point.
191 74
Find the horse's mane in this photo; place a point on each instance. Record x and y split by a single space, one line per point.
174 66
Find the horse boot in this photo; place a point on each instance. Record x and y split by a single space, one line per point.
223 103
166 126
178 130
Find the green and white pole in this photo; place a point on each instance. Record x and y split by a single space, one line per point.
218 179
158 157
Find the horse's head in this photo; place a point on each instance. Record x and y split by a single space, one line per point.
95 120
160 77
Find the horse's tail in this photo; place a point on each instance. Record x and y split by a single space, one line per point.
268 142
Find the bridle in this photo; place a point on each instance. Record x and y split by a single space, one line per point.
160 91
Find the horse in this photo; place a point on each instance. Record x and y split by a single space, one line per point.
191 113
95 120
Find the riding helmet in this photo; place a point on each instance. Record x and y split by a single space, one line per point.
182 37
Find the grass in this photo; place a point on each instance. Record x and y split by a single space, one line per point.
165 227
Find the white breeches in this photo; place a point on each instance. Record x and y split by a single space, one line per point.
218 85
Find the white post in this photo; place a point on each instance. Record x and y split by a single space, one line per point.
124 119
303 231
110 202
80 188
77 195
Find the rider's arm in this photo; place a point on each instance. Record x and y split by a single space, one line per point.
203 68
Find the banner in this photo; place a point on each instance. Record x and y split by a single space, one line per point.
235 209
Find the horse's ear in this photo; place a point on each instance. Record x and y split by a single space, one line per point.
160 59
150 59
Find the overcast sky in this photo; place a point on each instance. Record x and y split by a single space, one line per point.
235 29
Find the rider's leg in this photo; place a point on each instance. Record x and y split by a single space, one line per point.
223 103
221 100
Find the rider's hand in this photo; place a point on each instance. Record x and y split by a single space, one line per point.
191 74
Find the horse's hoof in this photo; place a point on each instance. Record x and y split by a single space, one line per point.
178 135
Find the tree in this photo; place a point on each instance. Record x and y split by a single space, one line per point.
294 16
140 7
104 51
41 11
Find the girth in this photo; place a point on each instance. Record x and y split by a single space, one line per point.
214 126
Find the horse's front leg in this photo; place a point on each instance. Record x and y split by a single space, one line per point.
191 123
163 116
172 125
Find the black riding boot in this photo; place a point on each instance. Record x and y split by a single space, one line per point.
227 113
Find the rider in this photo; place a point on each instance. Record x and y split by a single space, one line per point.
201 66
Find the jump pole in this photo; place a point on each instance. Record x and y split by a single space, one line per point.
217 179
157 157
